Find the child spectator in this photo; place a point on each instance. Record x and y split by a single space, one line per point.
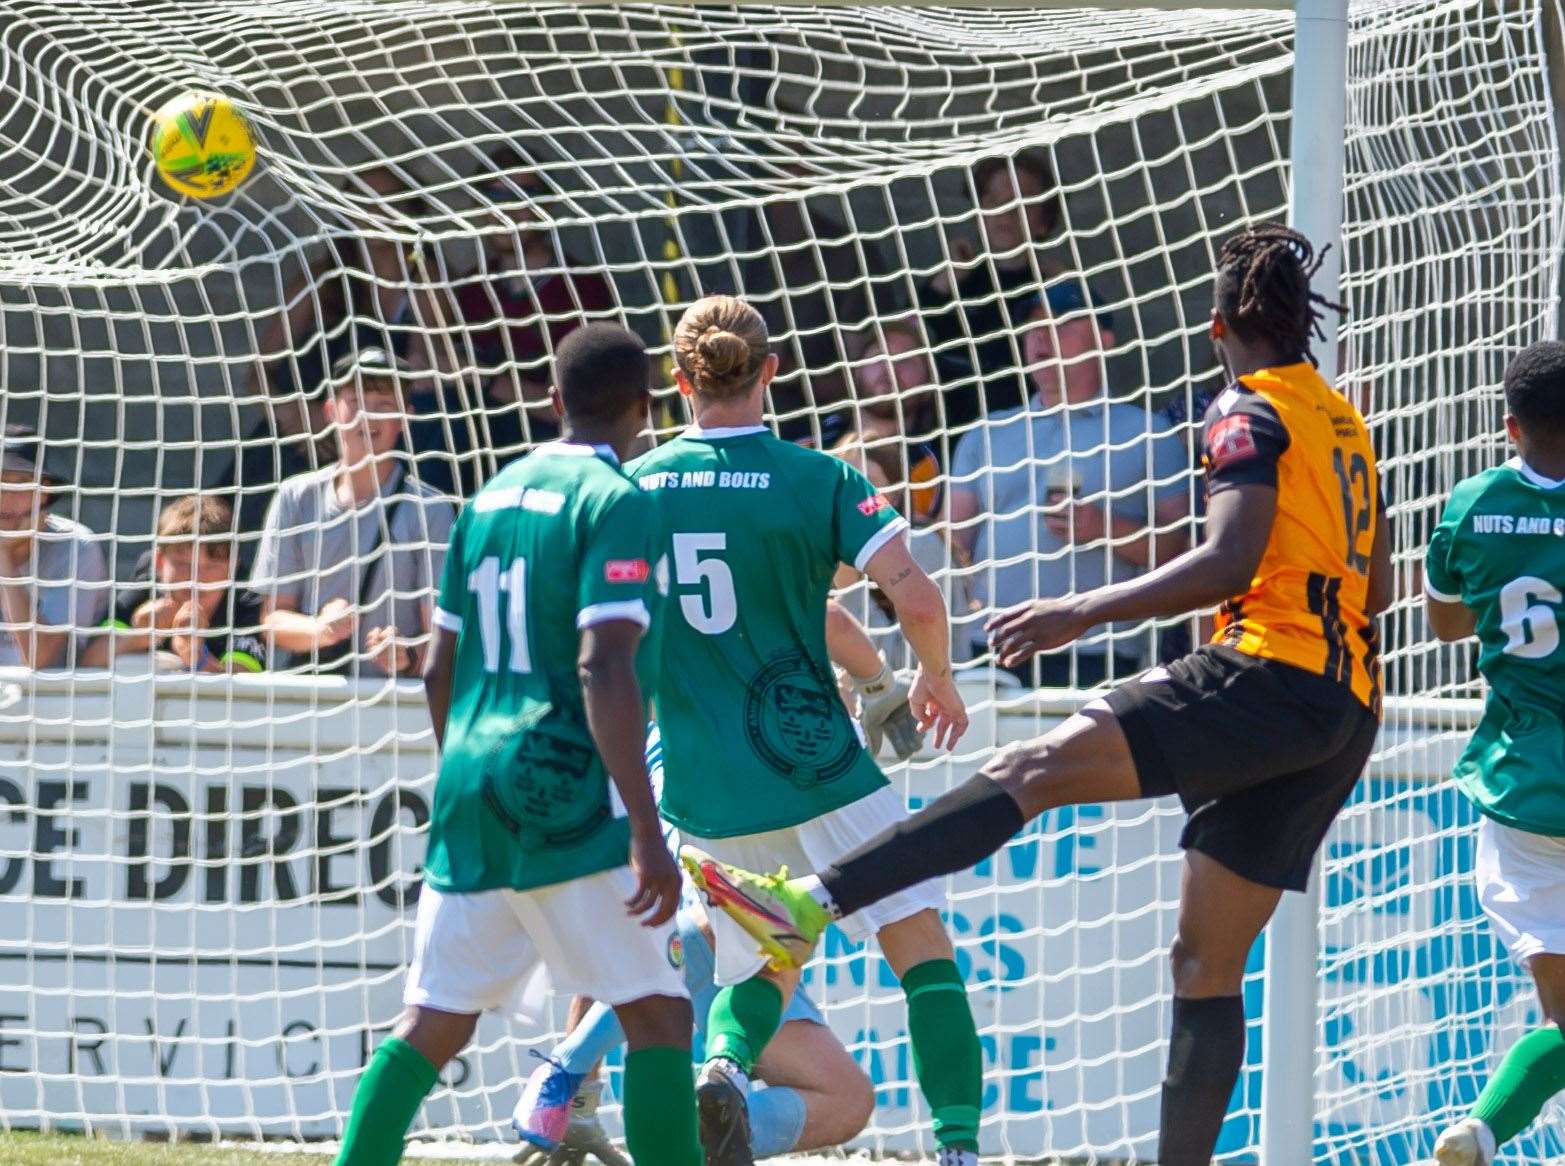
350 554
182 604
54 579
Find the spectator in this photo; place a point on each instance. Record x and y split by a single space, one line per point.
54 579
1069 492
814 285
897 407
975 304
292 437
350 554
183 605
883 464
525 298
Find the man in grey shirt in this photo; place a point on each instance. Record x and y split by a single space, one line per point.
351 554
54 576
1068 492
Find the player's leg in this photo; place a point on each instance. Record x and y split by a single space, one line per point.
742 1020
1521 884
660 1103
559 1089
1084 759
468 952
592 947
947 1058
816 1095
1245 844
1220 916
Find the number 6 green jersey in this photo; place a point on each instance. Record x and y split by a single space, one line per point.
1500 550
755 737
556 542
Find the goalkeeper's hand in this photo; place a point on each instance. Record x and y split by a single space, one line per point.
584 1137
885 713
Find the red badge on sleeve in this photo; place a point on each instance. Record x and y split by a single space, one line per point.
626 571
873 505
1230 440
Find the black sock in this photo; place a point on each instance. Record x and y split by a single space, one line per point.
1205 1053
956 831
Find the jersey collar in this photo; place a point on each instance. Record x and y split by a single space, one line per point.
1534 476
579 449
724 431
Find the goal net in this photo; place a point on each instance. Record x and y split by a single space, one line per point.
983 241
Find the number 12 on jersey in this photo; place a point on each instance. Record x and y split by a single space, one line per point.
486 582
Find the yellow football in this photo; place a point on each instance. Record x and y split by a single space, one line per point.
202 145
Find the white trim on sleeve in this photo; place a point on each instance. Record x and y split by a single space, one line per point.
877 540
631 609
1435 593
449 620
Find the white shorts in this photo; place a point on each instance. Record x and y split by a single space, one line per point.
481 950
1521 884
804 849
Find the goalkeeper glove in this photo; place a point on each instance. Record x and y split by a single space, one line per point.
584 1136
884 712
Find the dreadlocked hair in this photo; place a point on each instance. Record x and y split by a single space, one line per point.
1263 288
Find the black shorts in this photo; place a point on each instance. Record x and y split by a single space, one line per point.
1262 754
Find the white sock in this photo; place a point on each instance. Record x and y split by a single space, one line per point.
813 887
730 1069
949 1156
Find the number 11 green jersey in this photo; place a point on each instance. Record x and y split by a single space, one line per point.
556 542
1500 550
755 737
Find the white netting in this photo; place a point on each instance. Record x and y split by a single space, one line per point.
206 883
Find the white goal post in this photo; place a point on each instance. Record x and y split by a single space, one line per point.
207 882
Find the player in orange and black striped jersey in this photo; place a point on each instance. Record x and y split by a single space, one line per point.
1262 734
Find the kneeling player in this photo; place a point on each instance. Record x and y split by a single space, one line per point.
1263 733
545 596
1496 566
816 1095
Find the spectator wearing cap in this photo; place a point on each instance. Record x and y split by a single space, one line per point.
182 605
976 301
1069 492
54 578
504 322
350 554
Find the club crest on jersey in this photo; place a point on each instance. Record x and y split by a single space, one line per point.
796 723
1230 440
626 571
676 950
873 504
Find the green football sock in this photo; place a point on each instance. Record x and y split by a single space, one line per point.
946 1053
660 1107
742 1019
1532 1072
394 1085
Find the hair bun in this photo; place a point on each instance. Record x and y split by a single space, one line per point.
721 352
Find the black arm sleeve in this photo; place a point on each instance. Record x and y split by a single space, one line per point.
1241 440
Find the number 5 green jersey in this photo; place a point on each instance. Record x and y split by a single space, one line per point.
755 737
556 542
1500 550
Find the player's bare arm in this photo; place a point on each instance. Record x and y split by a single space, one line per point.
921 610
1450 621
437 680
1238 525
612 698
883 710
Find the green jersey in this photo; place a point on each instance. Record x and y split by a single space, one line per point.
755 737
556 542
1500 550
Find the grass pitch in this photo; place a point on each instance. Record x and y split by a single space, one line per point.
18 1149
